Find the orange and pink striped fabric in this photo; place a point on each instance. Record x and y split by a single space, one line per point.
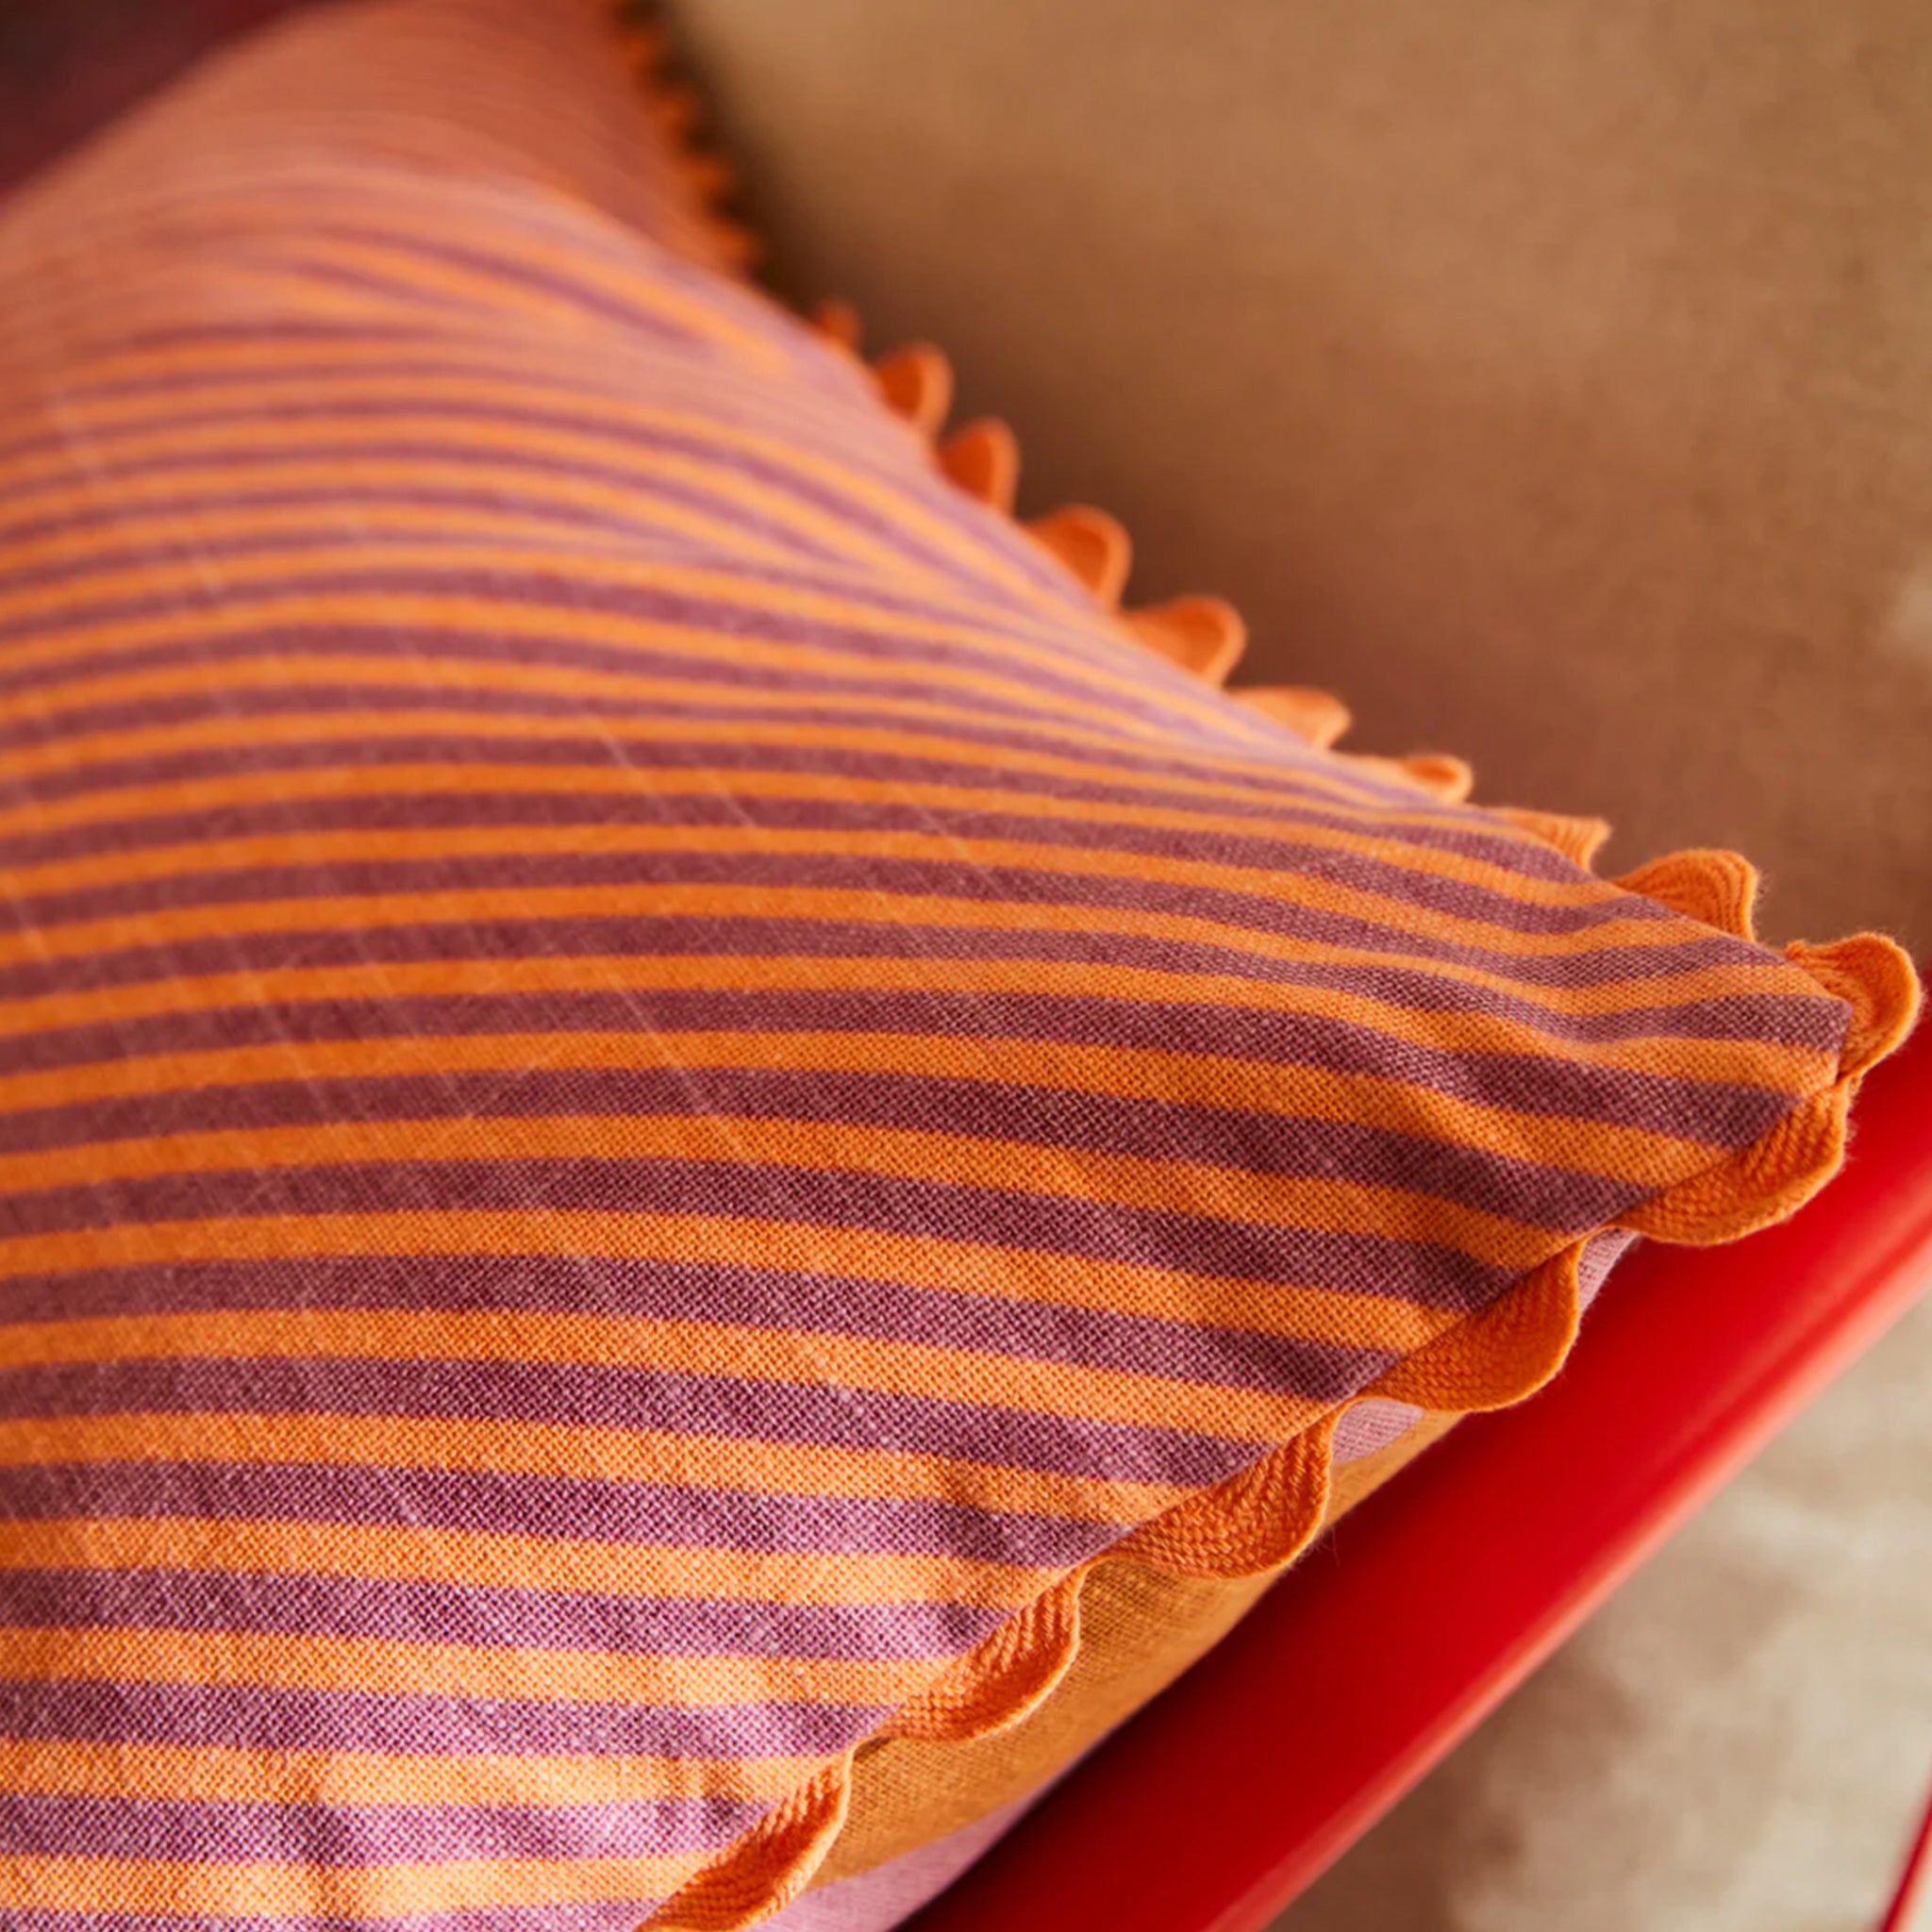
653 1073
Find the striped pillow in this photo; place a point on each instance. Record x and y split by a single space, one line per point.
657 1076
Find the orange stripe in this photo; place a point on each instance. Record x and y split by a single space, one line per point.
295 437
211 1775
466 348
268 666
841 441
274 355
124 494
492 283
796 903
274 668
560 1449
384 611
1770 1064
508 1562
230 235
874 1255
1403 918
1635 1153
422 611
655 294
71 300
1046 636
330 1893
463 377
429 1670
221 734
449 526
1319 1203
75 750
807 428
850 610
1638 1154
296 456
1107 667
154 529
816 1358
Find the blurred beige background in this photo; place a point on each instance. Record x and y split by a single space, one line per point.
1740 1740
1555 382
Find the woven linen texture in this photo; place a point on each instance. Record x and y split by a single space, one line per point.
649 1074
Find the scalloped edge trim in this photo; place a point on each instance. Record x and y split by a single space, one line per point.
1203 635
765 1870
675 109
1316 717
1444 776
1714 887
982 458
1093 547
1579 840
916 382
1260 1519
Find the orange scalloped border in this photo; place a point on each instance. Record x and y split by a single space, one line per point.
1263 1517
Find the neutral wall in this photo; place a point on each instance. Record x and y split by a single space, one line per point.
1554 380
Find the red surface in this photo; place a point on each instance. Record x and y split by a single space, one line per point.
1915 1882
1228 1796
